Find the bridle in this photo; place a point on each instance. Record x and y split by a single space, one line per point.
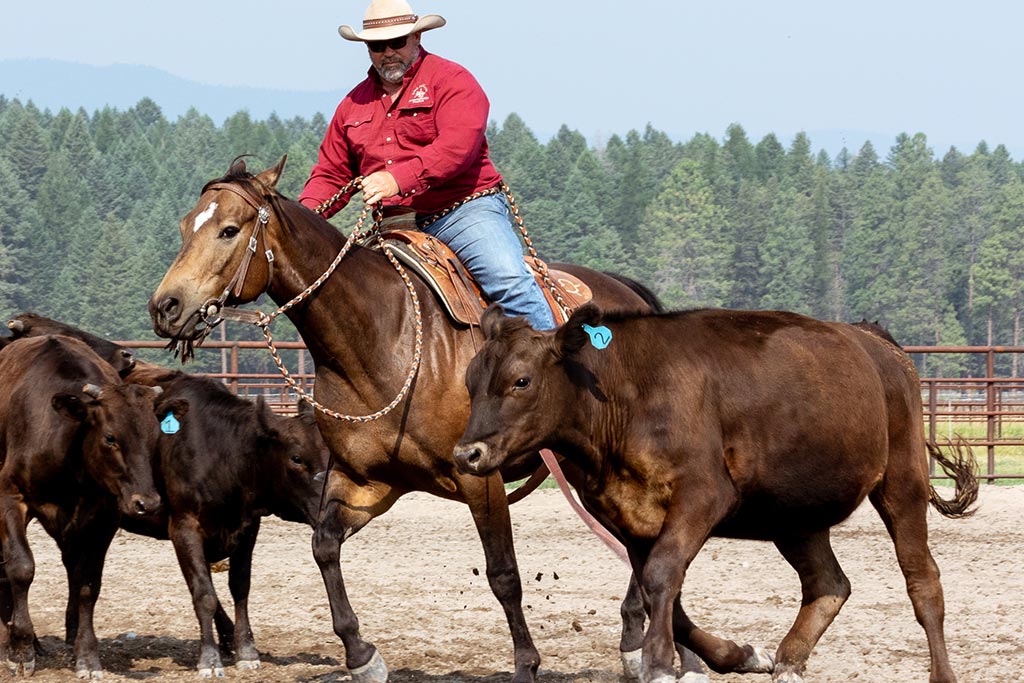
210 309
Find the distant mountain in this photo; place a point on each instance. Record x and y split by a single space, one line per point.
53 85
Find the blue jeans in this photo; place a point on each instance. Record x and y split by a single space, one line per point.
480 233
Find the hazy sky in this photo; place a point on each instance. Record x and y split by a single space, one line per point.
948 69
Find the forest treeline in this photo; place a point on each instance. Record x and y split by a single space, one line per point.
930 246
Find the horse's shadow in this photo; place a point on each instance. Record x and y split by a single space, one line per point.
127 655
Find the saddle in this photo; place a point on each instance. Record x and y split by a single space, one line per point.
458 292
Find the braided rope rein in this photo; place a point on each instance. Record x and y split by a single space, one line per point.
263 320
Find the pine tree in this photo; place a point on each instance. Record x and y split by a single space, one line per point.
682 252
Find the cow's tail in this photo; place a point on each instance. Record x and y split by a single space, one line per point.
643 291
959 465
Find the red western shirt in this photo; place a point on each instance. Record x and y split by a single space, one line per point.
431 139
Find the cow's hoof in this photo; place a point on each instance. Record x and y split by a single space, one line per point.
87 674
247 664
215 672
693 677
631 664
759 662
26 668
374 671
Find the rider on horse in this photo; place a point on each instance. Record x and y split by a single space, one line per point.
415 129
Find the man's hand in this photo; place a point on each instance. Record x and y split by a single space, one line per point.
378 186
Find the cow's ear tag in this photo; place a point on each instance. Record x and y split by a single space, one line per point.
170 424
600 336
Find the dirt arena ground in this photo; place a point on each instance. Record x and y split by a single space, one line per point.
416 580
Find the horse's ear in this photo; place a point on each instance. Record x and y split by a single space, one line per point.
237 166
272 175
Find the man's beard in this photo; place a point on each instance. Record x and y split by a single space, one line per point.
394 71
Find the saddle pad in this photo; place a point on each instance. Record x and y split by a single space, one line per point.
440 268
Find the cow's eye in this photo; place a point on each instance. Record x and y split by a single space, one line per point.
228 232
109 439
297 459
521 383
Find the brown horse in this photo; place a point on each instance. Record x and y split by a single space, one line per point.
359 328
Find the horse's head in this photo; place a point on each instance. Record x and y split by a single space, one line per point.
224 256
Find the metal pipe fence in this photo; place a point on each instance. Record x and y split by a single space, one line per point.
987 411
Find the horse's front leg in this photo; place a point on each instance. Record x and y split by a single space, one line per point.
488 503
348 509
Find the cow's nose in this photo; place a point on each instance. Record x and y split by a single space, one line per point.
468 457
145 505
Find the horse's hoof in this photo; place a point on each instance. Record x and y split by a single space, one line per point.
759 662
693 677
374 671
87 674
247 664
787 677
215 672
631 664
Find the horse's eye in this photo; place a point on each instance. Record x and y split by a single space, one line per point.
109 439
228 232
297 459
521 383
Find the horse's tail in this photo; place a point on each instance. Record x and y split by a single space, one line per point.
644 292
959 466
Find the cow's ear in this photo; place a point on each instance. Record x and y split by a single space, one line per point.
69 405
304 408
177 406
571 337
493 321
265 416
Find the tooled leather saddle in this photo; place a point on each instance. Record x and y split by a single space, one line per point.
441 270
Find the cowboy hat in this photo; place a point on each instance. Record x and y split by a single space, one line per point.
387 19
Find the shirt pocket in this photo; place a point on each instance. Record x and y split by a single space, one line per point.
416 127
359 132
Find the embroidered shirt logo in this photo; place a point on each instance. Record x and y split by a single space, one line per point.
419 94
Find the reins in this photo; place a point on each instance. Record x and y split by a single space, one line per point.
214 311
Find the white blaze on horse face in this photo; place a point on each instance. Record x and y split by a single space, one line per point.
204 216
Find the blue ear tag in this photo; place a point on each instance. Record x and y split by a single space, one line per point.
170 424
600 336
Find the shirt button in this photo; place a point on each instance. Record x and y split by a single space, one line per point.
389 162
388 139
389 115
414 113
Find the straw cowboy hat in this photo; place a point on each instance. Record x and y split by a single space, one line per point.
387 19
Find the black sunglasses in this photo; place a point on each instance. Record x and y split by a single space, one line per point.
379 46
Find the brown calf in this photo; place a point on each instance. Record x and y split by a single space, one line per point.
745 424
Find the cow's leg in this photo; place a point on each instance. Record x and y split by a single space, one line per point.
188 546
691 516
225 628
20 568
902 504
825 589
631 640
348 509
83 552
239 576
489 505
